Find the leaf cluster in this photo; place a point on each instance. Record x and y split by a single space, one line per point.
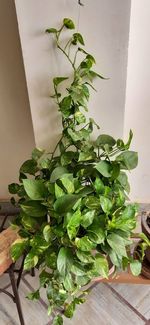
74 216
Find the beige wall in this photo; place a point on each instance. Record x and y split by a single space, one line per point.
137 110
105 26
16 133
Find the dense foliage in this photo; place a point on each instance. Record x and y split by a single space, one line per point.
74 213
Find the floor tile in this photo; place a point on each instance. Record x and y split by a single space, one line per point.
137 295
102 308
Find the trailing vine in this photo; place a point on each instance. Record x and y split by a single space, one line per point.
74 211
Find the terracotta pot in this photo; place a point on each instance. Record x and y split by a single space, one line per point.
146 230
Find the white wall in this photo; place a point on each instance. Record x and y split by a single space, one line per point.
137 109
105 26
16 133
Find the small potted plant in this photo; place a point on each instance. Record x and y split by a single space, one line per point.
75 217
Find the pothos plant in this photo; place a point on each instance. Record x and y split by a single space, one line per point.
74 210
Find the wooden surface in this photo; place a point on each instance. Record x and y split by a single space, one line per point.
125 277
7 237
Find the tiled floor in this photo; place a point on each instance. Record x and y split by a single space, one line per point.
116 304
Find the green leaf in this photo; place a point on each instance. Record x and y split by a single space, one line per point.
78 269
135 267
87 218
85 257
85 191
39 244
58 320
115 170
66 158
37 153
13 188
106 204
75 136
18 248
73 224
51 260
77 37
68 282
115 259
95 233
29 167
65 203
49 310
121 145
68 23
82 280
33 295
126 220
93 74
84 244
68 184
33 209
51 30
105 139
79 301
101 265
92 202
129 211
144 238
47 233
58 191
28 222
80 94
123 180
69 311
58 80
79 117
128 159
64 261
84 156
99 186
86 64
45 163
103 168
57 173
31 260
35 189
65 106
44 278
127 145
117 244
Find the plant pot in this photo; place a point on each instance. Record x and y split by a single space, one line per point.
145 264
146 230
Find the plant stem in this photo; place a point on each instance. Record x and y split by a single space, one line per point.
75 57
56 147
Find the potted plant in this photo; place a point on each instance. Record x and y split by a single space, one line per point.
74 211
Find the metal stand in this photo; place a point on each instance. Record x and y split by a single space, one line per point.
15 285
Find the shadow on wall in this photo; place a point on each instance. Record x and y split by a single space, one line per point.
16 131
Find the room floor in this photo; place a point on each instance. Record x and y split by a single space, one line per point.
107 304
